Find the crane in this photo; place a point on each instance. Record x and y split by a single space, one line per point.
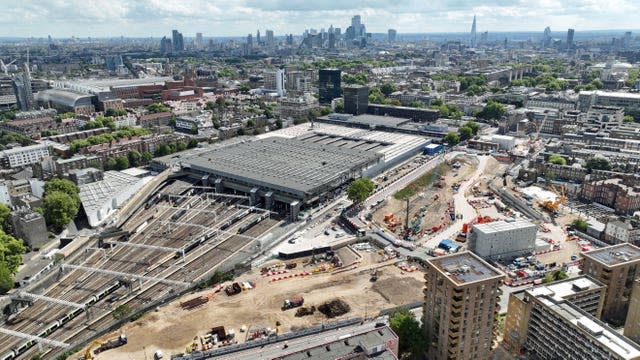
5 67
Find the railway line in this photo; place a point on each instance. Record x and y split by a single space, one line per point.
60 322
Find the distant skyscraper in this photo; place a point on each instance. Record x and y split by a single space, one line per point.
627 39
112 62
258 37
546 39
329 83
199 41
166 46
270 39
332 40
570 34
484 38
178 41
391 35
474 37
250 41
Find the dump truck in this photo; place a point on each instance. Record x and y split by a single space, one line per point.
111 344
293 302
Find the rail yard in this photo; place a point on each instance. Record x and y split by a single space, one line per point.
174 240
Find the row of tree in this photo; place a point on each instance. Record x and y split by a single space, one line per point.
465 132
11 250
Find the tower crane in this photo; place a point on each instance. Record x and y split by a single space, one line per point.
5 67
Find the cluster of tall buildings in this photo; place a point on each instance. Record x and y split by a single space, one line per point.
175 44
567 319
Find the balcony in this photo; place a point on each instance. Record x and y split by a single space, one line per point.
456 314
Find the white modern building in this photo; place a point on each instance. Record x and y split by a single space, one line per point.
505 239
505 142
23 156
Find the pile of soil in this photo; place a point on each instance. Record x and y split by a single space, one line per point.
304 311
334 308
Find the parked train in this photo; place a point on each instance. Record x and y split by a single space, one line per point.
17 351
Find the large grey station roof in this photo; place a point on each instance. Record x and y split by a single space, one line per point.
289 165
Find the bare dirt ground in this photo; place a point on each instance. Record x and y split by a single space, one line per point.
171 328
435 209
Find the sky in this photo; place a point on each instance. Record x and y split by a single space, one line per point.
145 18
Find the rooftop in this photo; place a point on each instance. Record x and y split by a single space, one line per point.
560 290
366 343
500 226
366 119
465 267
615 255
284 164
95 194
597 330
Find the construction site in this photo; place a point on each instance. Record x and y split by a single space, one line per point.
279 297
173 241
425 206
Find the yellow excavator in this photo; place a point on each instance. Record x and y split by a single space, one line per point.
553 206
88 355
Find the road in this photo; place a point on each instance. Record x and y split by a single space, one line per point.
462 207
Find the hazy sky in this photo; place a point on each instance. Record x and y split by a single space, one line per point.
99 18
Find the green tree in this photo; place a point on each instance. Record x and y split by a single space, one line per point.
244 88
474 126
340 108
628 118
360 189
181 145
598 163
146 157
4 216
412 342
388 89
210 105
452 138
580 224
121 311
135 158
6 278
11 250
157 108
557 159
465 133
193 142
325 110
493 110
110 164
416 104
122 163
64 186
242 131
279 124
59 209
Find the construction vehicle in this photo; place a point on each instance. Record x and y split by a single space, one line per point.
374 276
553 206
293 302
111 344
233 289
88 355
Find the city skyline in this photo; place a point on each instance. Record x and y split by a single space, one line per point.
157 18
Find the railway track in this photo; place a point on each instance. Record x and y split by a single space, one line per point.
79 287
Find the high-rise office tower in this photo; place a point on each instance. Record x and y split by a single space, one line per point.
250 41
112 62
391 35
617 267
199 41
356 99
570 34
460 306
166 46
329 83
484 38
270 39
474 37
178 41
332 41
258 37
627 39
546 38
